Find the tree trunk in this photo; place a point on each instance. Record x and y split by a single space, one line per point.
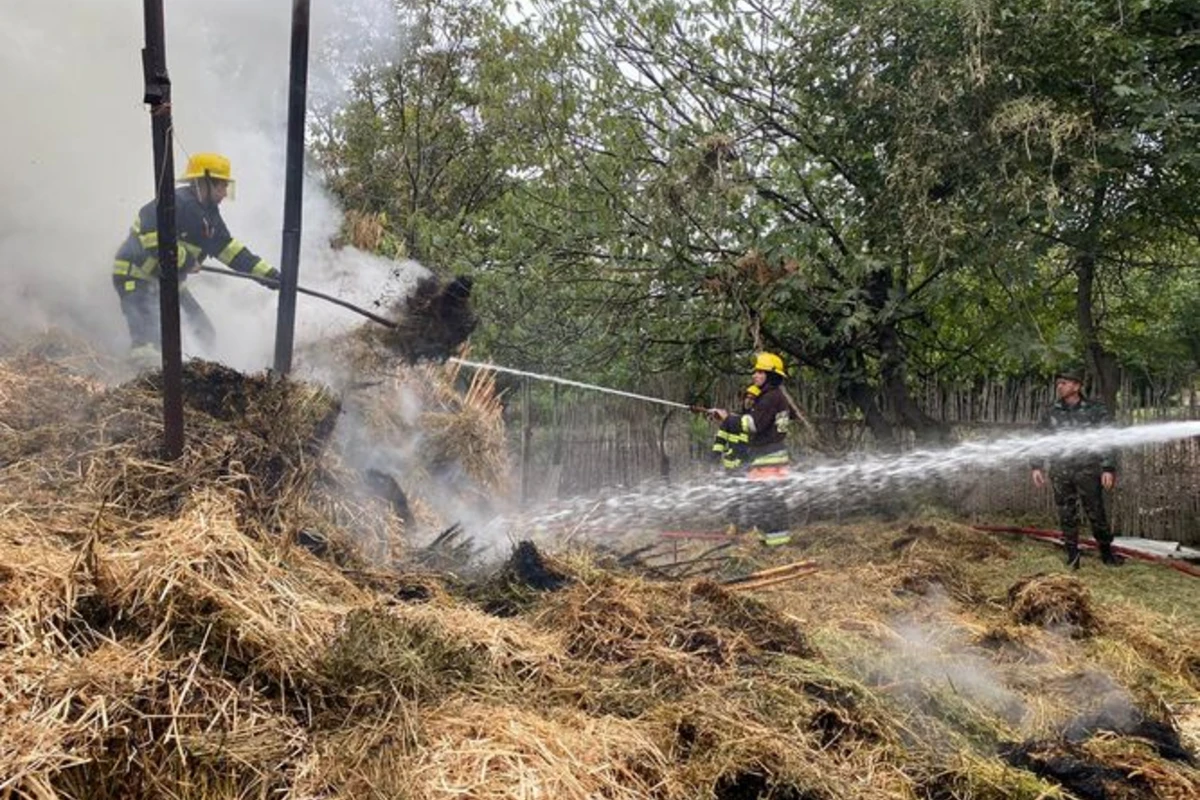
1101 363
864 396
894 370
893 364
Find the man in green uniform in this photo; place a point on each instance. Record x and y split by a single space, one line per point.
1078 479
201 234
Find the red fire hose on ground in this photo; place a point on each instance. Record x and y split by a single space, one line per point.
1088 544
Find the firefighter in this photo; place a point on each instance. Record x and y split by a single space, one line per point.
1079 479
767 457
729 446
201 234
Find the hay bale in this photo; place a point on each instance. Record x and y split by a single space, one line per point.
39 400
122 721
392 656
37 588
255 436
465 429
202 577
441 439
720 751
478 750
432 321
765 627
1051 601
35 392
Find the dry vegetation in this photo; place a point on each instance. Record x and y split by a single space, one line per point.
164 634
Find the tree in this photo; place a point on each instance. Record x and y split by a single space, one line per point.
886 192
1094 136
426 143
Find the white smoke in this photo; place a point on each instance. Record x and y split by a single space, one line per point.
933 657
76 164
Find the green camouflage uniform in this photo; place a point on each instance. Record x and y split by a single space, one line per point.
1076 479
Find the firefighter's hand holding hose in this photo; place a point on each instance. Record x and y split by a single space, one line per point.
717 414
270 279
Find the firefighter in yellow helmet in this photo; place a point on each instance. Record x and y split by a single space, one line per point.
201 234
766 424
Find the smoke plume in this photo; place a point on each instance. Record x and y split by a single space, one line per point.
77 162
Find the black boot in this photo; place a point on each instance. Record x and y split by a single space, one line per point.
1108 556
1072 555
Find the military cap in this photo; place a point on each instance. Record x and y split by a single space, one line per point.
1070 372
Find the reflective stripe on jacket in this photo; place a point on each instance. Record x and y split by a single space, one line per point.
201 234
730 445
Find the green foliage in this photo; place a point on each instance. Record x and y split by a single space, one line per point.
880 190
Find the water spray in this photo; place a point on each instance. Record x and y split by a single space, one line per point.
846 483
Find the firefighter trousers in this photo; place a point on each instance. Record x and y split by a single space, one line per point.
140 306
765 505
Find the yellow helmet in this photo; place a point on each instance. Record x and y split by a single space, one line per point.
208 165
753 390
769 362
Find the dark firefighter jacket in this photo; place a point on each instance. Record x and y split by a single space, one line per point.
1085 414
767 424
731 444
201 234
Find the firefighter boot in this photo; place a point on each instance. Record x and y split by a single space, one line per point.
1072 559
1108 556
145 357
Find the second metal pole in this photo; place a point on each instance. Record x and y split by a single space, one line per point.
289 267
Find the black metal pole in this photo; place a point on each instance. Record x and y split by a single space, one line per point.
158 97
289 268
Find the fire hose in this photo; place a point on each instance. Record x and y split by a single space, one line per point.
273 284
1057 537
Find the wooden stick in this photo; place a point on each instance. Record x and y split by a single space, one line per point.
760 584
766 573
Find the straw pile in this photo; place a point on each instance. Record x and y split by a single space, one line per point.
1053 601
434 431
432 321
162 635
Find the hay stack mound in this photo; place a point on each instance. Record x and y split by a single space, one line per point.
434 429
1052 601
434 320
162 636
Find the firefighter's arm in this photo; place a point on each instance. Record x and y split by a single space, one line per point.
239 258
759 418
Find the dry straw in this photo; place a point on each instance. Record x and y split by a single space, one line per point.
166 632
